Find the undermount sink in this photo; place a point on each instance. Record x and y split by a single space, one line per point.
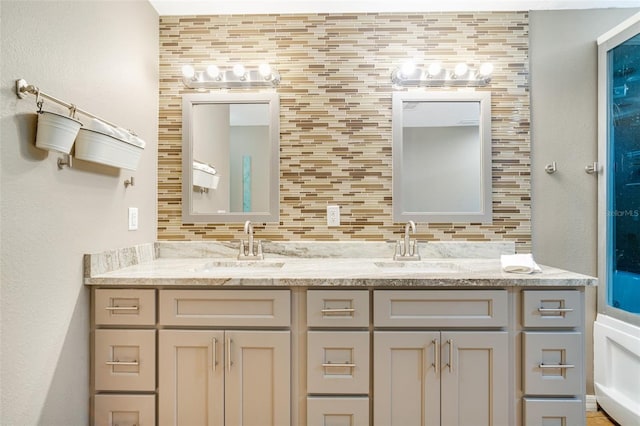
238 264
417 266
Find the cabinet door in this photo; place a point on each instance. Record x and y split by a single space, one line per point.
191 378
406 378
258 378
475 378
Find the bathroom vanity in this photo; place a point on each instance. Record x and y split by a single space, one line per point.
333 333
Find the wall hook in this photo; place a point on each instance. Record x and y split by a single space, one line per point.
129 182
65 160
551 168
593 168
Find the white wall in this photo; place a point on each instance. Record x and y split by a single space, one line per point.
563 57
102 56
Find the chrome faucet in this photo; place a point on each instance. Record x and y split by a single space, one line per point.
409 249
248 249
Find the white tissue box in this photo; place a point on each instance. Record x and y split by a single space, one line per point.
101 148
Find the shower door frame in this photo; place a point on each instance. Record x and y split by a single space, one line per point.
606 43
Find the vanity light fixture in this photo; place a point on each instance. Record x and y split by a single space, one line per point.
408 74
214 77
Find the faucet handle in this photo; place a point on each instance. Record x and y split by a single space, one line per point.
413 246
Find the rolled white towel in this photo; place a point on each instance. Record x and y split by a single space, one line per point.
519 263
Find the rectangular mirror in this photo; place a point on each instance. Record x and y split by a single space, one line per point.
442 157
230 157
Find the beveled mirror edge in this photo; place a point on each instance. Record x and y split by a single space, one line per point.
485 215
191 99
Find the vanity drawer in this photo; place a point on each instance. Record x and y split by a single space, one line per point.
552 363
346 411
125 410
125 307
548 308
125 360
547 412
440 308
335 308
226 308
338 362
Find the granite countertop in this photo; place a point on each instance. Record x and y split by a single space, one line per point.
316 264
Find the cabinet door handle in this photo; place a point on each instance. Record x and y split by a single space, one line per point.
122 363
436 355
344 365
555 309
122 308
214 357
556 366
450 364
229 363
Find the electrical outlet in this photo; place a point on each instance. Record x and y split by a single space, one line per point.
333 215
133 218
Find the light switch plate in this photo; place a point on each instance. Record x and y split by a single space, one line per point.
133 218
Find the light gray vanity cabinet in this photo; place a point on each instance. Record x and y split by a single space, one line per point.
338 357
123 379
553 357
440 377
214 374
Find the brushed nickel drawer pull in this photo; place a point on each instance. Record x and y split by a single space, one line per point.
450 342
344 365
214 357
337 310
229 363
122 308
556 366
555 309
122 363
436 355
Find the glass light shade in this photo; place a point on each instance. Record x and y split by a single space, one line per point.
213 71
407 69
238 70
188 71
486 69
461 69
434 69
265 70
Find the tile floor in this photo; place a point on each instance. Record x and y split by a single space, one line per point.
599 418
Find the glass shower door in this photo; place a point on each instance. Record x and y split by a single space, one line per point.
623 203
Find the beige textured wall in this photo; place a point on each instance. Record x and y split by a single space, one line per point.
564 59
335 115
102 56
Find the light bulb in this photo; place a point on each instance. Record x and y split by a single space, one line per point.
213 72
188 71
265 70
460 69
238 70
407 69
434 69
486 69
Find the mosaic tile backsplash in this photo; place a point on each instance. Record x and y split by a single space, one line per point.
335 116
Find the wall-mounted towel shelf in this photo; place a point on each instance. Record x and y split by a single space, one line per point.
97 140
